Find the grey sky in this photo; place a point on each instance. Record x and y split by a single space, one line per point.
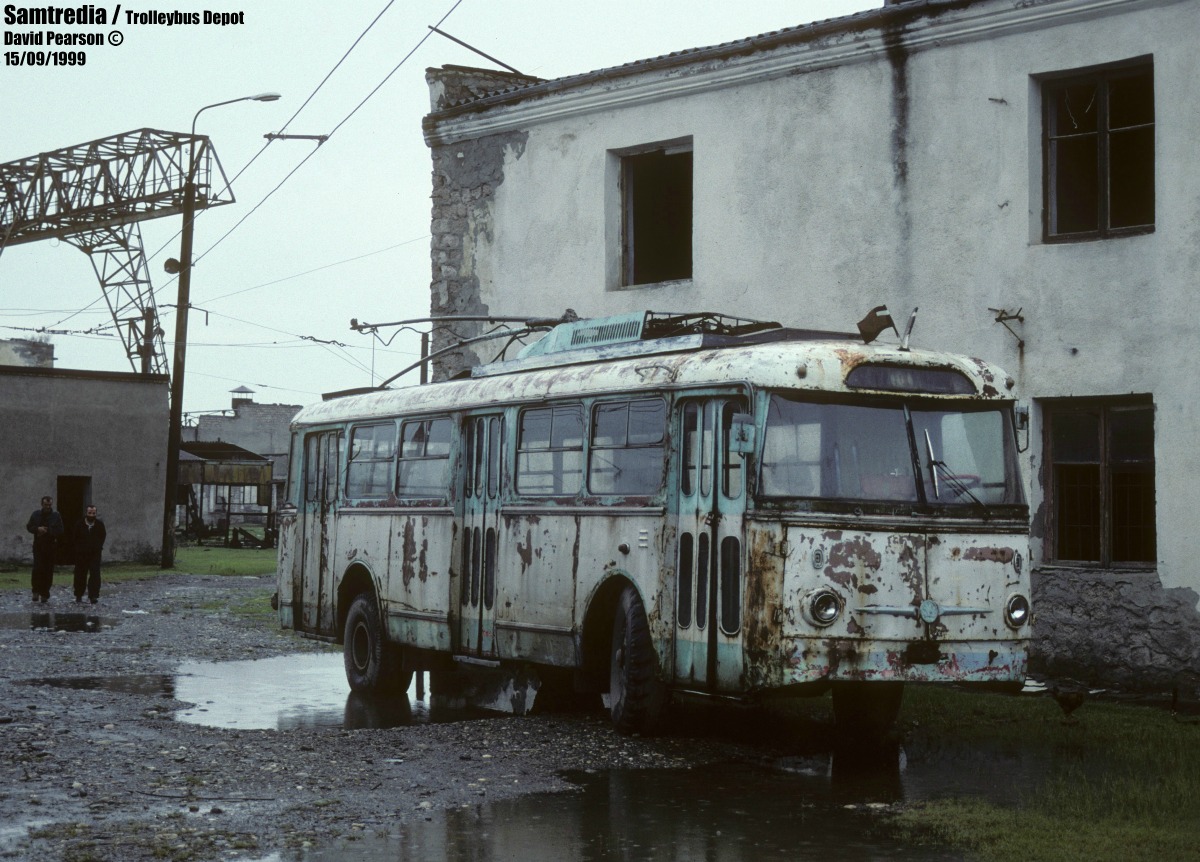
347 235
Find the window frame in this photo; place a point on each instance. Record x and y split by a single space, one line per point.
442 497
1054 411
352 461
556 452
593 447
1102 76
634 200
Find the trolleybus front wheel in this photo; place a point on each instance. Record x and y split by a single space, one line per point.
636 695
372 664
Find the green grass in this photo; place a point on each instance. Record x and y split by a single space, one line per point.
1121 783
189 559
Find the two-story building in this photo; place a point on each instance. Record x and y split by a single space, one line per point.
1020 171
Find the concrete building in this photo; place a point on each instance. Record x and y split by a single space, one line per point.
1020 171
260 428
83 437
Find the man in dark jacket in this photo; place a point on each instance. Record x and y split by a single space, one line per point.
46 526
88 541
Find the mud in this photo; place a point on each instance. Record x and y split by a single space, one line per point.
106 772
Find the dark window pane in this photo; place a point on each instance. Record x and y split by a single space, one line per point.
686 573
1131 178
1133 517
1075 437
1131 435
1075 109
1078 492
1076 186
703 566
438 443
489 568
1131 100
731 573
659 212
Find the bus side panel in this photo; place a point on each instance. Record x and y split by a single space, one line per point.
418 591
602 540
535 589
287 573
765 653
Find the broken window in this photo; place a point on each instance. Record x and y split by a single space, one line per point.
657 215
1099 152
1101 458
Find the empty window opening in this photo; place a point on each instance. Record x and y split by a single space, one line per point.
657 215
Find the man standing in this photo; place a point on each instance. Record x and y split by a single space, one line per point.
88 541
46 526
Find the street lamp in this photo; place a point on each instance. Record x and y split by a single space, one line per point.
183 267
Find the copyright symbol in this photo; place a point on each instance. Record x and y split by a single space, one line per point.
116 37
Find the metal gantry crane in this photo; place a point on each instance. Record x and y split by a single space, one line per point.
94 196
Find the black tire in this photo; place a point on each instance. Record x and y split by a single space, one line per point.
636 694
373 665
866 710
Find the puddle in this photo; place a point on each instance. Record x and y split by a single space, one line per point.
727 812
152 684
296 691
56 621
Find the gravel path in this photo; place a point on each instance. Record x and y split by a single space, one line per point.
97 774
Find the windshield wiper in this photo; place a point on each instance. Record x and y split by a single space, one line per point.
952 479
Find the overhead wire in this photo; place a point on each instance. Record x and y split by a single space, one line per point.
303 161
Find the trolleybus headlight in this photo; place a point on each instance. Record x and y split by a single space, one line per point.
1016 611
823 607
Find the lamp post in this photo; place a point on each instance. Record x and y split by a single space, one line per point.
183 266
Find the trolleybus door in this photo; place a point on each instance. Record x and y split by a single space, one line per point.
483 436
711 502
322 471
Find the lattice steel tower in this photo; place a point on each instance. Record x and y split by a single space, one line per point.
93 196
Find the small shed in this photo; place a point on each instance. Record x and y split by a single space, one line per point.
224 489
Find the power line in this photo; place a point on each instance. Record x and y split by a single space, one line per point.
344 120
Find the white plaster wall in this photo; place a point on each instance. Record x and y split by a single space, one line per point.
800 216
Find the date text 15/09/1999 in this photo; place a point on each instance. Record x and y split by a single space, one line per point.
45 58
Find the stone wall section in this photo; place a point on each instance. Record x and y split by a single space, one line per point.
1117 629
466 177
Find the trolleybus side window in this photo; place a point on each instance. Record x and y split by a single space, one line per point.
550 451
322 461
627 452
369 474
422 471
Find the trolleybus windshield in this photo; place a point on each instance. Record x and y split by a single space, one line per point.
893 452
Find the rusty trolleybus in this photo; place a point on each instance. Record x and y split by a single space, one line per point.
671 503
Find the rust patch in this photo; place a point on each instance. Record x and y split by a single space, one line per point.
525 551
846 558
991 555
408 571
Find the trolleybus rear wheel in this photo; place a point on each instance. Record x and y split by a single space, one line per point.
636 696
372 664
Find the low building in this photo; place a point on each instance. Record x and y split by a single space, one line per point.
83 437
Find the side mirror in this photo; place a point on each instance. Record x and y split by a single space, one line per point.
741 433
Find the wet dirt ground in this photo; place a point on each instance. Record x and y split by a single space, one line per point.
102 757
